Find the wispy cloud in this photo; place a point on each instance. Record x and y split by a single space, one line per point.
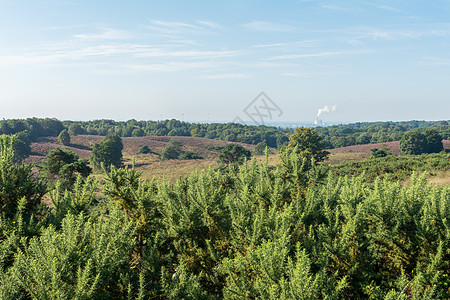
187 53
339 8
391 35
169 27
381 6
297 44
123 51
319 54
107 34
18 60
311 74
209 24
172 66
269 26
434 61
227 76
60 28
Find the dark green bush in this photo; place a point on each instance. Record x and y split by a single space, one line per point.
191 155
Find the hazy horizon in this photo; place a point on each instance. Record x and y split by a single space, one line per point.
356 61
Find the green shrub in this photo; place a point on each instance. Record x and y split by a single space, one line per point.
170 152
233 154
191 155
260 148
377 153
64 138
17 181
144 150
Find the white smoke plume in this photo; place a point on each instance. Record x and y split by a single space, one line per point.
326 109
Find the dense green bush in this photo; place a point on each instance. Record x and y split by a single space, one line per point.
17 181
234 154
170 152
144 150
294 231
260 148
64 138
394 167
66 165
191 155
377 153
107 152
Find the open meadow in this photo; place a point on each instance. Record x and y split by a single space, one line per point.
152 166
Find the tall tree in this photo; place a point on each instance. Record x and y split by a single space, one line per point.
66 165
22 148
233 154
413 142
434 141
307 143
17 181
64 138
108 152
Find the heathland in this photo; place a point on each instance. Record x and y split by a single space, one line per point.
173 210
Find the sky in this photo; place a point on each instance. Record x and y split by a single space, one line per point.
247 61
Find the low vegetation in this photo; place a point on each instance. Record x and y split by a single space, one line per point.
293 231
287 226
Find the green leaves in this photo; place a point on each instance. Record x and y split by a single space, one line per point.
64 137
107 152
414 142
17 181
306 143
234 154
85 258
294 231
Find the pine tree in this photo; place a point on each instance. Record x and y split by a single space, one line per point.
64 138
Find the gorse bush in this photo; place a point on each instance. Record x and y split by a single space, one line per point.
17 181
294 231
394 167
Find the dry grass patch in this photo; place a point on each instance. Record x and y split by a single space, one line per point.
440 178
337 158
172 170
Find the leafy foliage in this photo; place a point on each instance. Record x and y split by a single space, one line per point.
233 132
170 152
17 181
306 143
414 142
394 168
64 138
22 148
234 154
107 152
293 231
377 153
144 150
191 155
433 141
260 148
66 165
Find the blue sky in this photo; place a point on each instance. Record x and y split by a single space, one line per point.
208 60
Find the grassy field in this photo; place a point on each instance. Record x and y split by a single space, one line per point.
152 167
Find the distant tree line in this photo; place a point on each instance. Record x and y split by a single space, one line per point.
233 132
27 130
34 127
335 136
376 132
